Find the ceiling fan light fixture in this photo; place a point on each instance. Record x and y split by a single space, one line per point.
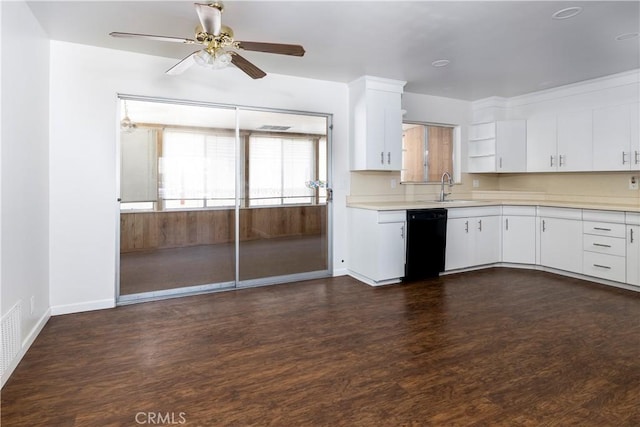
216 59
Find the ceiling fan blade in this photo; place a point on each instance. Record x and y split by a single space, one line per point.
246 66
282 49
210 17
182 66
152 37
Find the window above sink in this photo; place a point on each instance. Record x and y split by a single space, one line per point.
428 150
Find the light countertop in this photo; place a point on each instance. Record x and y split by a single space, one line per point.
427 204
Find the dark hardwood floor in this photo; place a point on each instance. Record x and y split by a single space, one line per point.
498 347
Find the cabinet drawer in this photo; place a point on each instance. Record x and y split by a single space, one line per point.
391 216
474 211
563 213
604 244
603 216
603 229
609 267
632 218
519 210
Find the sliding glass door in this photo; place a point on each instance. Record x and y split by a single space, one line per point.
215 197
283 215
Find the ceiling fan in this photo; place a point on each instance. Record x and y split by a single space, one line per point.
220 49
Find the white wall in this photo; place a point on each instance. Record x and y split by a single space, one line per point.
83 209
24 171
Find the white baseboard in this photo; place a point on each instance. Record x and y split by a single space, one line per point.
340 272
57 310
26 343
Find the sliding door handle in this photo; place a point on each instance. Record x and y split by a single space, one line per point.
329 194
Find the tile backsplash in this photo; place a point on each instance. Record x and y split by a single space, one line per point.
596 187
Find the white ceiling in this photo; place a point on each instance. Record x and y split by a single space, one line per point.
500 48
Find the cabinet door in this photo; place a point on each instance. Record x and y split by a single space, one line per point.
391 251
575 141
612 138
511 146
561 244
375 129
458 250
634 117
541 144
633 255
393 138
384 130
486 247
519 239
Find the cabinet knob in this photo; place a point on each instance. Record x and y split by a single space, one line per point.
624 158
382 157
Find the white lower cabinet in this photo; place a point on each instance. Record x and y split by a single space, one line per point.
601 244
604 245
519 234
561 238
473 237
377 245
633 248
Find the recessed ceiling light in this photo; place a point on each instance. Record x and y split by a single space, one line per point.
567 13
627 36
440 63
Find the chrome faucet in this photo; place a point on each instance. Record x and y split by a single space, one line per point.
443 195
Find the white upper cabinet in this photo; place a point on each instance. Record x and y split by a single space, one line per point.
542 143
375 124
560 142
575 141
634 116
615 138
497 147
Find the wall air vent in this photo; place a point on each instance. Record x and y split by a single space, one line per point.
11 337
273 127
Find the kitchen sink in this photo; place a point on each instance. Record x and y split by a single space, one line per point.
455 201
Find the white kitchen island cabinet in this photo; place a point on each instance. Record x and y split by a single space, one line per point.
473 237
375 119
561 238
519 234
377 245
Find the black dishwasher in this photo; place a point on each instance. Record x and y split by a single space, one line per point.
426 242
